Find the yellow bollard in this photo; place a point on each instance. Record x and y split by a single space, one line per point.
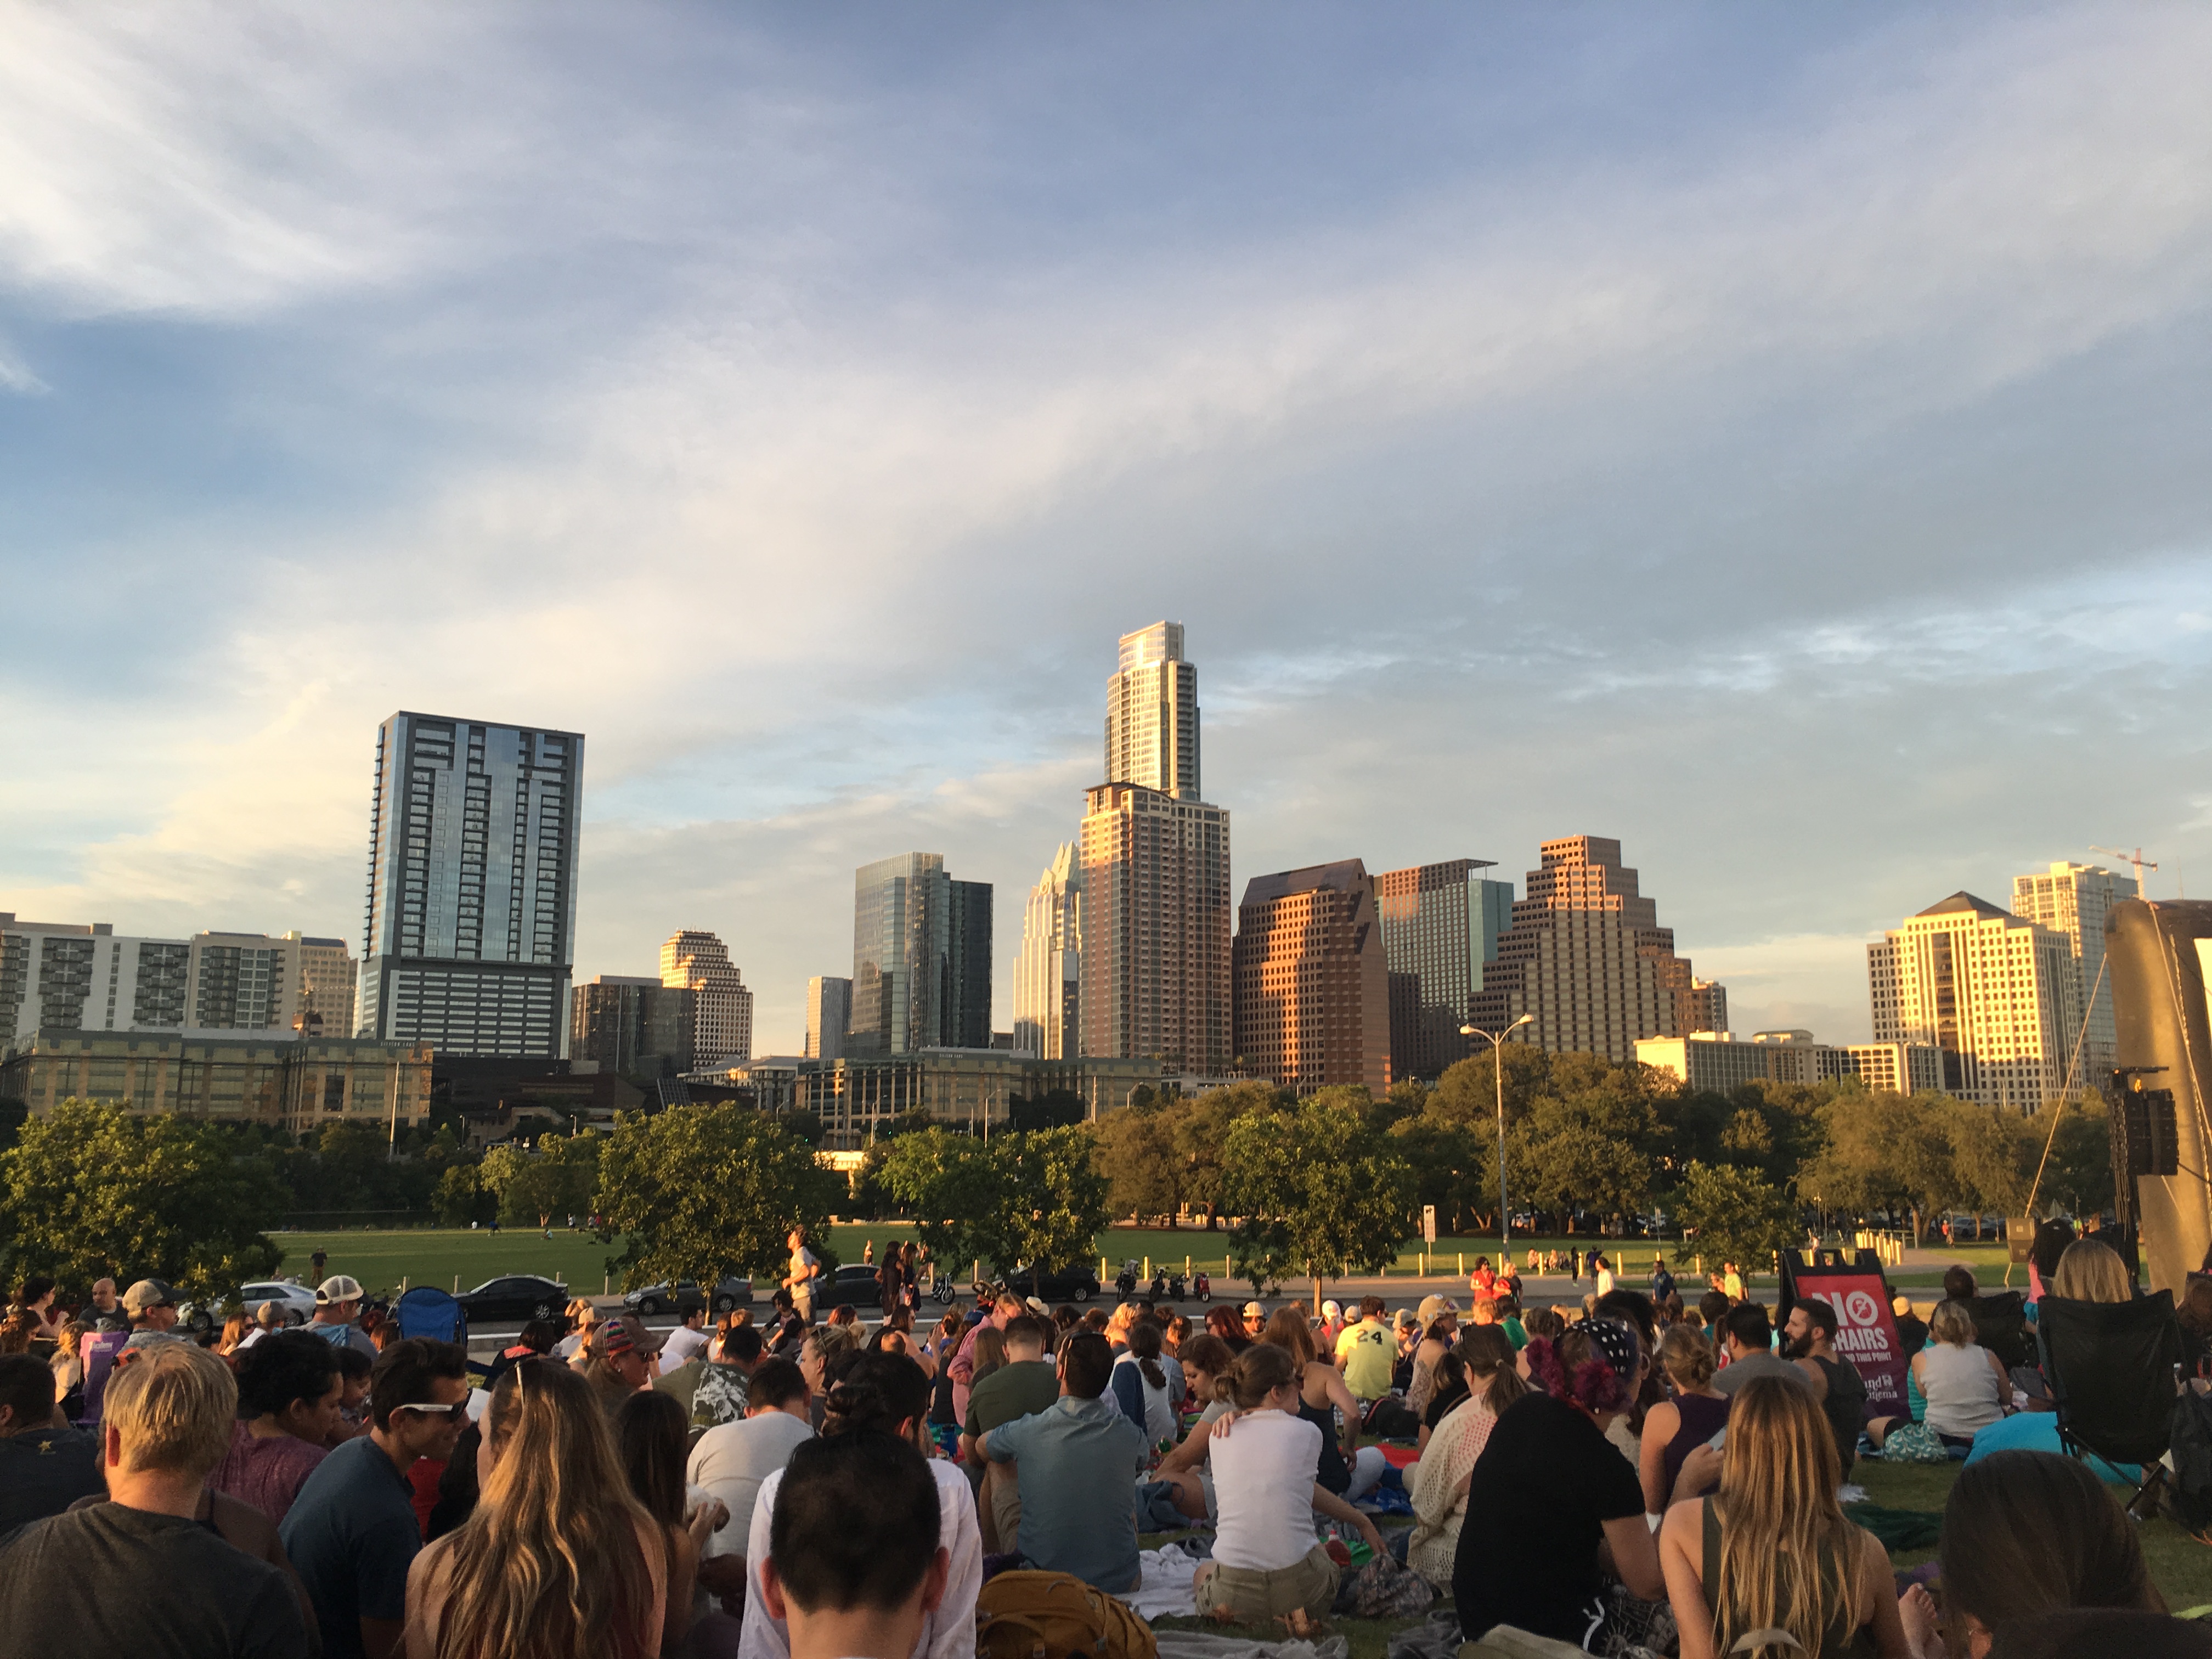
1148 1270
1462 1264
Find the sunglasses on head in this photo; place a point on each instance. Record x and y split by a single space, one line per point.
457 1413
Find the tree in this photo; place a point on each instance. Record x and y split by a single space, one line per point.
1321 1194
1137 1156
460 1197
1885 1152
557 1180
1735 1215
698 1189
1054 1199
92 1190
950 1183
1201 1136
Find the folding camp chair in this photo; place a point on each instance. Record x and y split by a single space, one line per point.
2001 1326
2112 1369
426 1311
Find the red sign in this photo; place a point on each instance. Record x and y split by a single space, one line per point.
1865 1332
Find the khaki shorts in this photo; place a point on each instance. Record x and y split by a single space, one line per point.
1253 1597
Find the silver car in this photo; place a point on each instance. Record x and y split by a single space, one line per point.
296 1300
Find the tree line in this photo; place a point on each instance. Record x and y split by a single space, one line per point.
1322 1186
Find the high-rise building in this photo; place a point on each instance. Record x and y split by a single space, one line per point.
471 886
1312 995
1155 966
1151 714
722 1022
1441 925
921 958
966 1022
81 978
635 1026
2072 899
1049 972
828 1013
1587 957
1996 993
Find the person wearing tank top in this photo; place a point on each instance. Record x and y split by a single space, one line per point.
1966 1386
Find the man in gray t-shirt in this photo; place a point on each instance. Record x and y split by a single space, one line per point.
730 1461
1750 1337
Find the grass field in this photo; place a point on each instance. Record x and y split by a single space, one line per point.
380 1260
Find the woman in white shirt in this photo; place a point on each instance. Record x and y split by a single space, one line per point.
1267 1563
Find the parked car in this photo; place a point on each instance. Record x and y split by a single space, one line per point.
730 1292
1076 1284
297 1301
856 1285
517 1297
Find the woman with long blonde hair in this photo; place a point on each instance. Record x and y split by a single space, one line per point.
558 1558
1769 1567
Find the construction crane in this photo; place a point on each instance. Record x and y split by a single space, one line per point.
2135 858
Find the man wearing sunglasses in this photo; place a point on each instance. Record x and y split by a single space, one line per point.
352 1533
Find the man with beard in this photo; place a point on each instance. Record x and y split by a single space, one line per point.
1809 1338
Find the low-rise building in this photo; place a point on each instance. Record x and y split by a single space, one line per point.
1717 1061
280 1082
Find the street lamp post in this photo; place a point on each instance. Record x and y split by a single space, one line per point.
1497 1070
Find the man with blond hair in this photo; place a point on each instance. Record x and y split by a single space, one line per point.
140 1574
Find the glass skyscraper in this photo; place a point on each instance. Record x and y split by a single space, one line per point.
921 958
471 886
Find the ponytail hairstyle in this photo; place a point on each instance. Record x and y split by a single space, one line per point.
1574 1369
875 1395
1486 1353
1258 1371
1144 1345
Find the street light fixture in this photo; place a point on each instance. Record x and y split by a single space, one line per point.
1497 1070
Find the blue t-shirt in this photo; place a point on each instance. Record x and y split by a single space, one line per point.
351 1535
343 1336
1077 1462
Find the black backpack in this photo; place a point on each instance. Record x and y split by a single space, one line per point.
2189 1489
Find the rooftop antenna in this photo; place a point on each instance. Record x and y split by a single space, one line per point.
2135 858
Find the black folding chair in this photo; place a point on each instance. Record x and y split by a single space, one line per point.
2110 1365
2001 1326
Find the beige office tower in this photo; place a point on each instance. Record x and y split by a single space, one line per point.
326 973
723 1022
1049 972
1587 957
2072 899
1311 981
1151 714
1997 993
1155 967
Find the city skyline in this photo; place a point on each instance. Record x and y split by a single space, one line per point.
1777 440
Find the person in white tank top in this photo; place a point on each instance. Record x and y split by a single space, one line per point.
1965 1385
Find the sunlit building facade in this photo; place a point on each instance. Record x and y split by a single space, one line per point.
722 1017
1049 972
2073 899
1311 987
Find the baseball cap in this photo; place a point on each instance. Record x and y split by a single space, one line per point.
1254 1310
1404 1316
614 1339
336 1288
148 1293
1434 1308
1038 1305
645 1341
1331 1310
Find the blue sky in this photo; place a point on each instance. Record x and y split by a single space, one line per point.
1776 437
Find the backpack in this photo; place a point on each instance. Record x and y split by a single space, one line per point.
1391 1418
2189 1488
1026 1614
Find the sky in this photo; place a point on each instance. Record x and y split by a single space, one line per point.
1775 437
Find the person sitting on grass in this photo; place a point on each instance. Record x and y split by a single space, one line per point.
2028 1536
1206 1361
1485 1358
1550 1500
1771 1566
1350 1469
1964 1385
855 1569
1266 1562
1679 1425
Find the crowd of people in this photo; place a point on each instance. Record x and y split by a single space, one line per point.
1618 1473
